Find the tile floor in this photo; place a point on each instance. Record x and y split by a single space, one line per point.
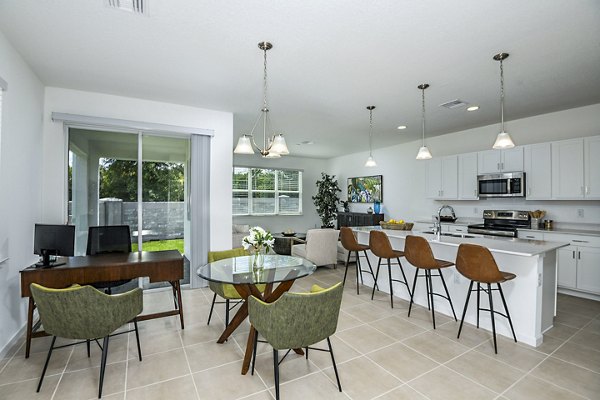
380 353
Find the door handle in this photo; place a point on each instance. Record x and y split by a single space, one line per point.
578 255
573 254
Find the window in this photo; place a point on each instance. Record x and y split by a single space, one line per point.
261 191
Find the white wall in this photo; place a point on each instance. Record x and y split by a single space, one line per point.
109 106
20 183
404 177
311 172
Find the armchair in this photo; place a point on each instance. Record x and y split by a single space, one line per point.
320 247
85 313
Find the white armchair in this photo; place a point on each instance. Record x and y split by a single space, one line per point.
320 247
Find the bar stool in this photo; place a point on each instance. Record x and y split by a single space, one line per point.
351 245
418 252
477 264
380 246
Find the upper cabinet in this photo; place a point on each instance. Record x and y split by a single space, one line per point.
591 156
567 170
467 176
442 178
494 161
538 171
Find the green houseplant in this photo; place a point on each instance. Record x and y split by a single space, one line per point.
326 199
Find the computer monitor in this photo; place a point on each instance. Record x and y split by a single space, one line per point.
53 240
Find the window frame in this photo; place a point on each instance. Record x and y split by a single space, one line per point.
276 192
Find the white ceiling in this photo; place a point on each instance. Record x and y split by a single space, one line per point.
330 60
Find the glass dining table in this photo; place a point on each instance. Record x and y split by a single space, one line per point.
277 269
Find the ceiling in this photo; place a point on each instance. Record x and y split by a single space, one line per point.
330 60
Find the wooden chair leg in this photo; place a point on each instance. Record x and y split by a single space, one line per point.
103 365
276 372
212 306
46 364
337 377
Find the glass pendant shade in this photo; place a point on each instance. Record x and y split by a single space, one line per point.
244 146
370 162
423 153
503 141
279 146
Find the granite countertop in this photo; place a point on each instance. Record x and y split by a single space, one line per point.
513 246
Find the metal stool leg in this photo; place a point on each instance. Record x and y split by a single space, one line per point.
478 302
226 312
403 275
391 283
492 315
358 271
46 364
103 365
376 277
431 295
507 313
346 273
276 371
413 291
370 268
465 310
334 366
448 294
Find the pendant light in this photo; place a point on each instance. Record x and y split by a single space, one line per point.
503 140
370 161
423 153
274 146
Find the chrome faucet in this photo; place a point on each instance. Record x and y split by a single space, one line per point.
437 225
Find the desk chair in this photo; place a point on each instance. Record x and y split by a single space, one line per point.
297 320
85 313
109 239
226 291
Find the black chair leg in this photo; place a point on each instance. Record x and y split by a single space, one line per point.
465 309
254 350
507 313
306 352
276 371
412 293
358 271
226 312
337 377
431 296
370 268
492 315
376 277
478 302
137 338
391 283
447 294
46 364
87 343
211 308
103 365
403 275
346 272
428 290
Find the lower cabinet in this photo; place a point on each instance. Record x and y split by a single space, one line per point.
567 267
588 269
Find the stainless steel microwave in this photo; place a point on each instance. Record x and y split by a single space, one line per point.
510 184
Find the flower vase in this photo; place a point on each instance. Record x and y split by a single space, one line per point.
258 262
377 207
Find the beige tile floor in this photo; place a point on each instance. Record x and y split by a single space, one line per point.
381 353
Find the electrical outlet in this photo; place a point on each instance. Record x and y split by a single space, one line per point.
580 212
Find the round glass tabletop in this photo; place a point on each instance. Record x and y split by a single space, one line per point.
238 270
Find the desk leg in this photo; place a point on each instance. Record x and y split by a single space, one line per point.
29 326
179 301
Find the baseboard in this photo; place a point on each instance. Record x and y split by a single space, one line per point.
13 341
577 293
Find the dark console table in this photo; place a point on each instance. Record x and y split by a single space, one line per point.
283 244
358 219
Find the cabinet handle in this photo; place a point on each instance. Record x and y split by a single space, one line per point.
579 241
498 166
573 254
578 255
531 237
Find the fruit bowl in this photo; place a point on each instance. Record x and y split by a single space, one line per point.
405 226
288 234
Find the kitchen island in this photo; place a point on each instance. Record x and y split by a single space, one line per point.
531 297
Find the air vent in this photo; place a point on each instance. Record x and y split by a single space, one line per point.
133 6
454 104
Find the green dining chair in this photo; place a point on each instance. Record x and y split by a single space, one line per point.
225 290
297 320
85 313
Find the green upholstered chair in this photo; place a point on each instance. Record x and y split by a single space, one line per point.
85 313
297 320
226 291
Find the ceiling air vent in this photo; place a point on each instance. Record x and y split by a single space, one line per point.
133 6
454 104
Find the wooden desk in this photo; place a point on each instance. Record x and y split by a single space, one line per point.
158 266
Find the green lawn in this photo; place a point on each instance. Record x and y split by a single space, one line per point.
156 245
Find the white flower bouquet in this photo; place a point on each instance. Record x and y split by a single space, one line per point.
258 240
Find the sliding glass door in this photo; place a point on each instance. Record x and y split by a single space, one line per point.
125 178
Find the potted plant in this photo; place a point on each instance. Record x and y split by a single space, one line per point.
326 199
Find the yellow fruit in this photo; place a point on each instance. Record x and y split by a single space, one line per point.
392 221
400 221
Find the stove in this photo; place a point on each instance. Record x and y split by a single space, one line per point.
501 223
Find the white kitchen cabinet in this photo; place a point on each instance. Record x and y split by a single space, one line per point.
442 178
567 267
588 269
522 234
538 171
567 170
592 167
467 177
494 161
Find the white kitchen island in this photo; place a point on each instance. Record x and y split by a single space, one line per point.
531 296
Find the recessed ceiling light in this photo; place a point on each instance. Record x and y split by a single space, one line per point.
472 108
402 127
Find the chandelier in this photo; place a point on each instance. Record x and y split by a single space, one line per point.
424 153
273 146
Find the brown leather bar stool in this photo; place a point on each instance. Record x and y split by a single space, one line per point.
418 252
381 247
477 264
352 246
